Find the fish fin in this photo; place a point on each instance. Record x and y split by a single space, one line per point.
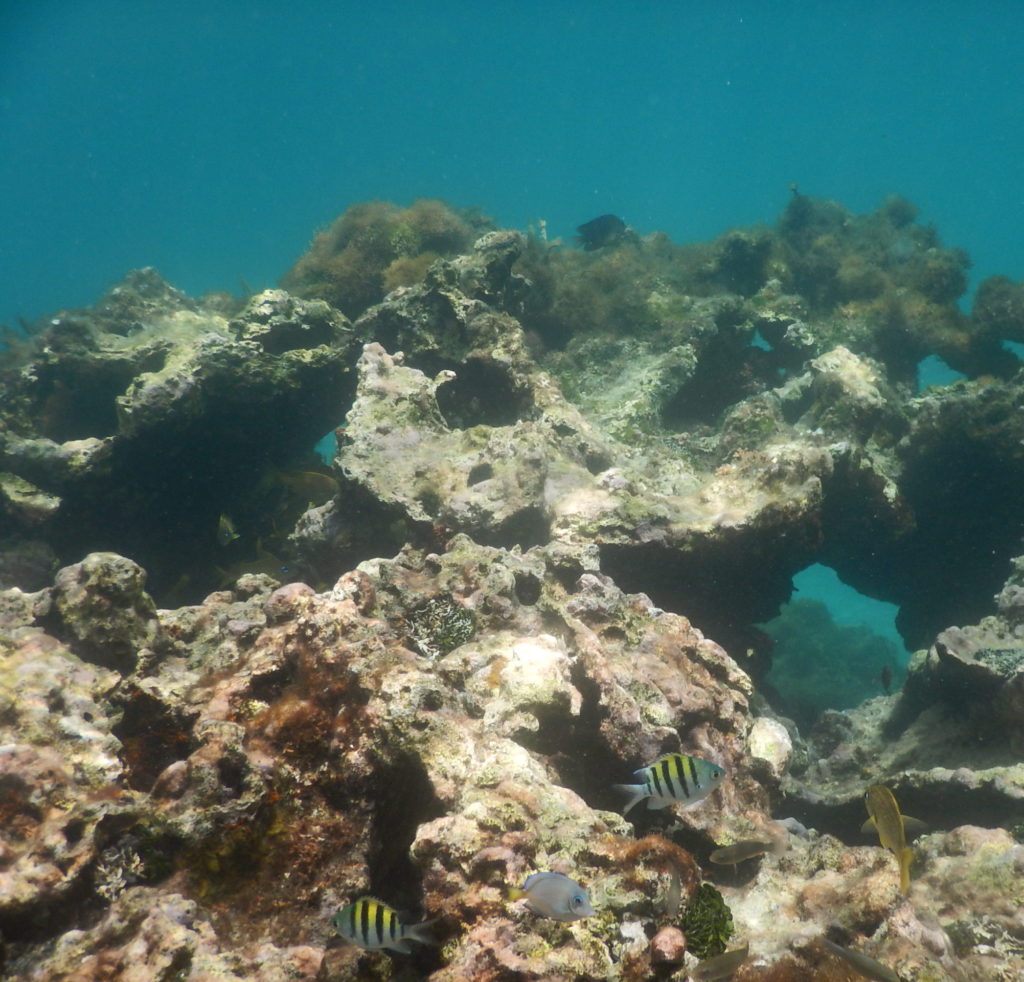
421 932
906 858
637 793
779 836
400 945
656 804
868 827
914 826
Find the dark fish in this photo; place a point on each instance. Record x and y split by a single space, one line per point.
601 231
370 924
721 966
226 531
740 852
862 964
673 777
886 678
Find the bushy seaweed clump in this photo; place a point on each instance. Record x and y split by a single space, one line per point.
375 247
440 626
707 922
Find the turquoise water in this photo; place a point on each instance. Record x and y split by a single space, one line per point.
211 139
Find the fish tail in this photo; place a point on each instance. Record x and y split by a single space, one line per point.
637 793
906 858
514 893
421 932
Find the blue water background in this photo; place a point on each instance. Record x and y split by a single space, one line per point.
212 139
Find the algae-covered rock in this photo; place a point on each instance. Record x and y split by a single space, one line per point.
103 606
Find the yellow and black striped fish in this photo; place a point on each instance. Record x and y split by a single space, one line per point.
371 924
674 777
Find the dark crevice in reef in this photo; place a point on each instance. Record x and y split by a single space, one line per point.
151 738
723 588
482 392
404 800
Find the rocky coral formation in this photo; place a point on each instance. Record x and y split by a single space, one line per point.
584 465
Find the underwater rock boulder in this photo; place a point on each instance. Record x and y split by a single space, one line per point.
60 772
104 609
133 425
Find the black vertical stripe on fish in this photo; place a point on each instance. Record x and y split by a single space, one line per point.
379 922
693 773
654 779
393 926
666 775
364 922
352 933
681 763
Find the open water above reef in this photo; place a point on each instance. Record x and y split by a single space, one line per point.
209 139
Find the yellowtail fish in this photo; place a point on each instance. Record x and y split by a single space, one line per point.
888 823
721 966
553 895
370 924
672 778
862 964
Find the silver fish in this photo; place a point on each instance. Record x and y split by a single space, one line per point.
553 895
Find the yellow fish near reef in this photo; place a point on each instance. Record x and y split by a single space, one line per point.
371 924
889 824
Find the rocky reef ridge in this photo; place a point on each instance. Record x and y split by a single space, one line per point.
227 708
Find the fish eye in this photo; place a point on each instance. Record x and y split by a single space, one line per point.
577 901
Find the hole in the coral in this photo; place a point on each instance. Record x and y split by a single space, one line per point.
482 393
934 371
832 648
480 472
528 589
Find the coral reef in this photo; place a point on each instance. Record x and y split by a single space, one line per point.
239 690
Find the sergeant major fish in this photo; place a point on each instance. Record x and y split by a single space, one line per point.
553 895
671 778
369 923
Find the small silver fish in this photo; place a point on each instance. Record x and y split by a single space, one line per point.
721 966
371 924
672 778
862 964
553 895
